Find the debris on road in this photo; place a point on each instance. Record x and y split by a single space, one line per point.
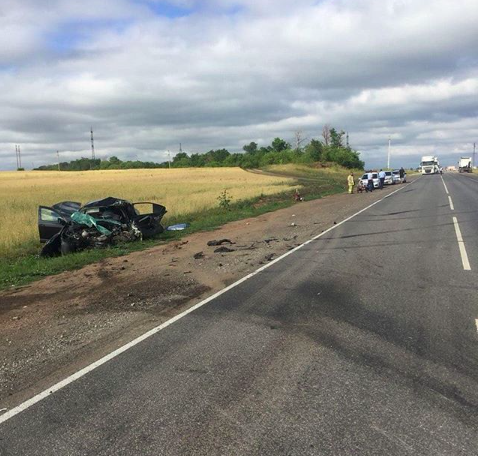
220 242
223 250
69 227
178 227
273 239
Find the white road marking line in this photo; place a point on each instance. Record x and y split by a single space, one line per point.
58 386
476 325
462 247
450 203
447 191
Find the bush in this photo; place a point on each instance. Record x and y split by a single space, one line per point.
224 200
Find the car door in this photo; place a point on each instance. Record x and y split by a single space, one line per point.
50 222
149 223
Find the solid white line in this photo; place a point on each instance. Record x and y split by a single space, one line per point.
58 386
447 191
450 203
462 247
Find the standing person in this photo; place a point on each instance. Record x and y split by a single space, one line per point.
351 183
370 181
382 176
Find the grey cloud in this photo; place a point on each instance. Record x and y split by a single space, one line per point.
374 68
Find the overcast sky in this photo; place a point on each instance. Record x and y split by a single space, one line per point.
149 74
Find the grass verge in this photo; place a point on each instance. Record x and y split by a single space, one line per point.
26 267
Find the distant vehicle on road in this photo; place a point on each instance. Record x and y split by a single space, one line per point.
397 177
429 165
389 179
364 179
465 165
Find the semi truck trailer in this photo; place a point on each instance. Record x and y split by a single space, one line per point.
429 165
465 165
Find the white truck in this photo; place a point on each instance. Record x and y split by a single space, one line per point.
429 165
465 165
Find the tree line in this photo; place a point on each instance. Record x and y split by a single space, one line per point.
332 148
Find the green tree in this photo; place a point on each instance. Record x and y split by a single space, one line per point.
180 156
251 148
336 138
279 145
114 160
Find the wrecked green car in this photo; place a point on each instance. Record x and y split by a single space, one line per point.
69 227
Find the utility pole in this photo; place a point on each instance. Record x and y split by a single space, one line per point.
389 151
19 157
473 155
347 139
58 156
169 159
92 144
16 155
181 150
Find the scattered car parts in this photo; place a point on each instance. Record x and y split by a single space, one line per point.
220 242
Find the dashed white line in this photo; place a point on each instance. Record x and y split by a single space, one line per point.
462 248
58 386
447 191
450 203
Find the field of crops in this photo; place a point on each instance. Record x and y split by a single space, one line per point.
182 191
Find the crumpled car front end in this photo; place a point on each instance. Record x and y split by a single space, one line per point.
96 224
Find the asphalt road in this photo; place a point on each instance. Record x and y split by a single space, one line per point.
362 342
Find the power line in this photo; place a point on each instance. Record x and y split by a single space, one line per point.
92 144
19 157
389 150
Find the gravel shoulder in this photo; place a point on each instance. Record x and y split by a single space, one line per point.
55 326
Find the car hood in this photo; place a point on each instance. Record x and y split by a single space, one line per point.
108 201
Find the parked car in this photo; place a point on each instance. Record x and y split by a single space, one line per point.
389 179
364 179
397 177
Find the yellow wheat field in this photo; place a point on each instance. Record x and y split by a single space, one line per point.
182 191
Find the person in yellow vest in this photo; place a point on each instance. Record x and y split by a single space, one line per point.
351 183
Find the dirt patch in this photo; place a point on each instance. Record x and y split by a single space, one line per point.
52 327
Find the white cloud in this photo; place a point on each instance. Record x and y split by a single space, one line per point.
235 71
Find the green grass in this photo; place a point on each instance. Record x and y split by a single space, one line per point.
27 267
